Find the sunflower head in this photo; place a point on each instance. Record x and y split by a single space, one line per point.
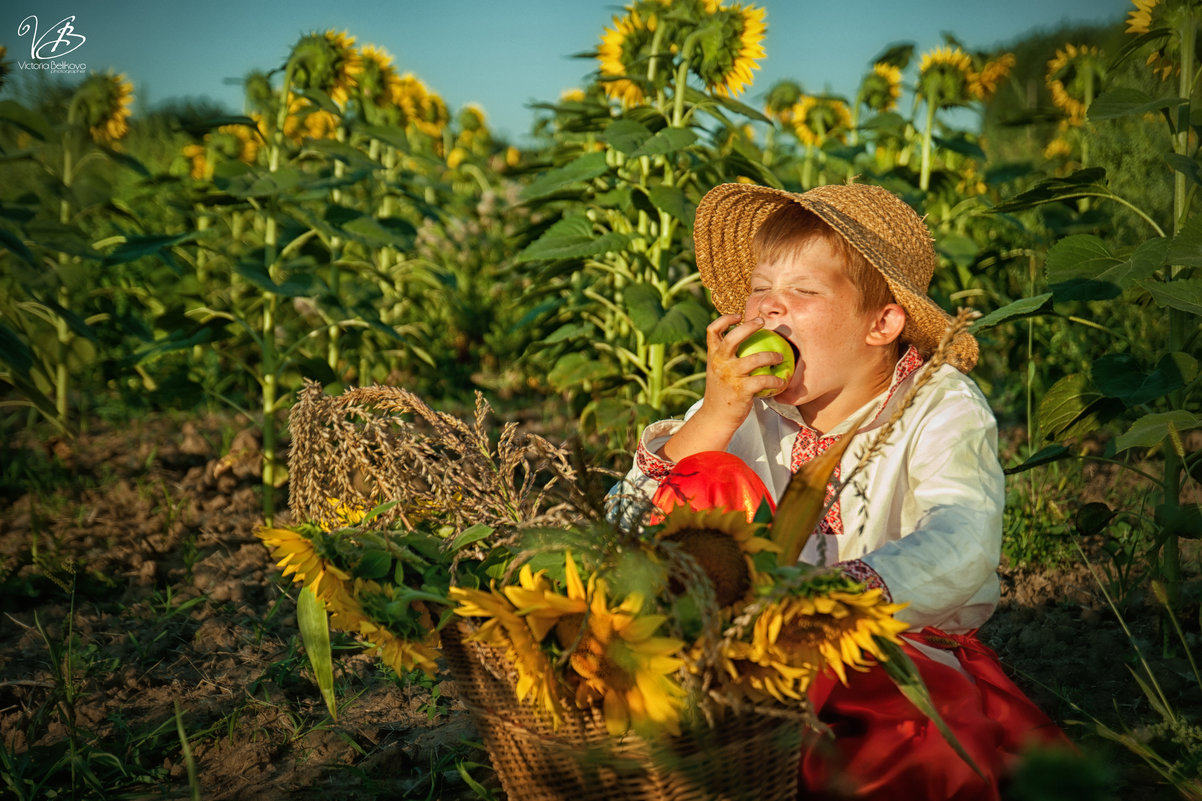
828 628
377 79
817 120
327 62
1139 21
731 50
984 84
881 88
102 103
1073 78
722 543
944 75
782 97
625 52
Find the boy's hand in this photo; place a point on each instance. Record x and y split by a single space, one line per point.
729 388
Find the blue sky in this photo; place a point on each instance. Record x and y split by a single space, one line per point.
501 55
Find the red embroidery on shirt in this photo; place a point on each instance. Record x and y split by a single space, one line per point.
810 444
652 466
859 570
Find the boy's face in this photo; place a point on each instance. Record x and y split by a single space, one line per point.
809 298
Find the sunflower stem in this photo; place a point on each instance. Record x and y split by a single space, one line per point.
924 178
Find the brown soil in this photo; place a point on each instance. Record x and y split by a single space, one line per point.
137 603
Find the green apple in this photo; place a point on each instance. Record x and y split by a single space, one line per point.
766 340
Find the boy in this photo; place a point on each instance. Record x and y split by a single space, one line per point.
842 273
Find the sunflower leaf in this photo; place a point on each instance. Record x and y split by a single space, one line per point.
314 626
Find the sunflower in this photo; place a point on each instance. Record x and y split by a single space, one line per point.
377 80
984 84
723 544
102 103
1074 74
817 120
761 678
296 555
782 97
944 75
833 628
726 66
420 107
1058 148
624 49
400 653
881 88
617 660
327 62
503 629
1139 21
307 121
4 66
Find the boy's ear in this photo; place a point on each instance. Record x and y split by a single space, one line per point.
887 325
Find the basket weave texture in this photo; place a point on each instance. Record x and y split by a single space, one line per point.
747 755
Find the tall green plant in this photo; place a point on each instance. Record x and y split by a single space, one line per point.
1147 385
620 200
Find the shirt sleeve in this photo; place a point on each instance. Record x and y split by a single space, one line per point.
947 563
626 499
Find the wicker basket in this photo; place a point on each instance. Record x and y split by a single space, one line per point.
748 755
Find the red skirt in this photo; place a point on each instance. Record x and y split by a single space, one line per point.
883 747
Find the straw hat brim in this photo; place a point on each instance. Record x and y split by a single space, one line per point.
878 224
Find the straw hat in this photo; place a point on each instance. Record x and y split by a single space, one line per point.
877 223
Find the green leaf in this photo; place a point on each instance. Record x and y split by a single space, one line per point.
1052 453
626 136
264 184
1125 101
1016 310
583 168
1056 189
1184 294
1184 520
572 238
470 535
1153 428
314 626
1073 406
135 247
1092 518
348 154
13 352
668 140
13 243
960 249
374 564
961 144
569 331
573 369
902 670
672 201
1186 247
1122 376
1186 166
297 286
31 122
1077 267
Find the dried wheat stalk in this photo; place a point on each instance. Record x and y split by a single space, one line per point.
376 444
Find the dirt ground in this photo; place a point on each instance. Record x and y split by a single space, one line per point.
140 611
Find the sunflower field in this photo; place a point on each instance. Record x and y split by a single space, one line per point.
176 286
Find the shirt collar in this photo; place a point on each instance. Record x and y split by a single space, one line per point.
906 366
